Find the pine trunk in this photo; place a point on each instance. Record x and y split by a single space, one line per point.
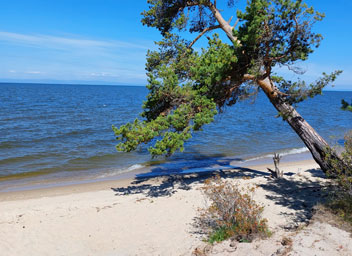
314 142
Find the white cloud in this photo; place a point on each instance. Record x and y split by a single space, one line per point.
48 41
70 58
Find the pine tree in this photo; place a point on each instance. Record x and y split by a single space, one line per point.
187 88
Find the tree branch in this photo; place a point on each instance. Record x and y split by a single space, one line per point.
292 41
202 33
190 3
225 26
267 62
234 25
248 77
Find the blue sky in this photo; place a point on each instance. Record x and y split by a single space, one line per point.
103 41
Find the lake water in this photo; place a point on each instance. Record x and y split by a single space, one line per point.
55 131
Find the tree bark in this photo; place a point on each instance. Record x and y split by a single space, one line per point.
314 142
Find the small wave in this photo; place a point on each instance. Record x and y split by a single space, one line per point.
134 167
295 151
114 172
4 176
97 157
65 134
26 158
9 144
292 151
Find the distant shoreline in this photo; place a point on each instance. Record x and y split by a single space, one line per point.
78 83
87 83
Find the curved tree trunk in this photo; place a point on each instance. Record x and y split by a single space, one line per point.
314 142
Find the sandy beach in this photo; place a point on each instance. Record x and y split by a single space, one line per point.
156 216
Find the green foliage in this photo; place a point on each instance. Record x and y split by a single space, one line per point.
346 106
341 205
218 235
214 64
211 70
278 30
343 170
172 128
298 91
188 88
165 15
341 198
232 213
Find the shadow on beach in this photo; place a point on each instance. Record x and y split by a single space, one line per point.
299 194
168 183
165 180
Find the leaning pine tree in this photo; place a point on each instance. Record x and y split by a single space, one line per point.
187 88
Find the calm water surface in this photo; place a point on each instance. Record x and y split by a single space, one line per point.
65 130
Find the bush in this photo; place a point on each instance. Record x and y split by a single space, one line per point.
342 170
232 213
341 197
346 106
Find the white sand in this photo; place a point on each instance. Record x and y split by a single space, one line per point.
156 217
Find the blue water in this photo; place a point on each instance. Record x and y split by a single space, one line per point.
65 130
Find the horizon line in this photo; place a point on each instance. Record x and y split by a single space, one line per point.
113 84
62 83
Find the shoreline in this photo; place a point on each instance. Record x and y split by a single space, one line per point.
60 189
138 170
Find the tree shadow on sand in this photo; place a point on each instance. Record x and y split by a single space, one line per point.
161 182
299 195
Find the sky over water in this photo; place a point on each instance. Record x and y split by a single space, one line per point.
103 42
